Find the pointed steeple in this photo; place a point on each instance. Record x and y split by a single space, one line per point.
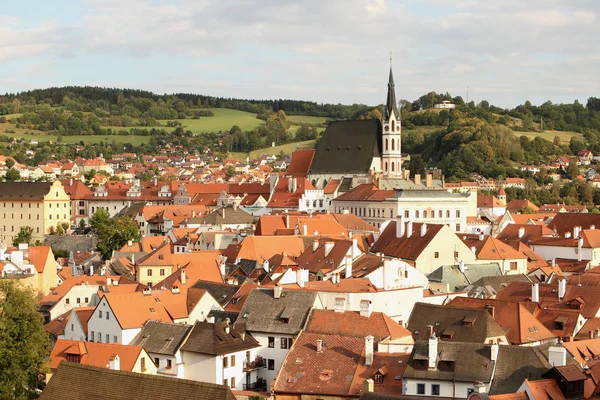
391 103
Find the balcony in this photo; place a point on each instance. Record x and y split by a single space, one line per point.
257 363
259 386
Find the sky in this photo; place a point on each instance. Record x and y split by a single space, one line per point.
328 51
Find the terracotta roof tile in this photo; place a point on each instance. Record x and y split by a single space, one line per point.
95 354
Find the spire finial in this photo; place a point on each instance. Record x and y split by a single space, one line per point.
390 58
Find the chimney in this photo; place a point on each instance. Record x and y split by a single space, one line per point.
429 181
579 247
277 290
592 227
183 278
417 179
354 247
432 351
479 387
590 334
521 232
462 267
474 250
423 229
481 237
328 248
400 227
554 262
369 350
597 335
562 288
567 235
494 352
115 362
287 220
348 262
557 355
491 309
266 266
576 231
147 292
409 229
304 230
429 330
175 290
315 245
368 386
227 329
319 345
365 308
155 181
222 265
300 277
71 182
535 292
294 185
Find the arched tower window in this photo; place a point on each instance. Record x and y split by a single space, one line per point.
386 144
386 166
393 144
392 167
393 126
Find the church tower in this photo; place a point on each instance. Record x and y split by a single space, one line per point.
391 157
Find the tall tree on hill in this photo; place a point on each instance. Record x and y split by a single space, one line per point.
24 345
114 232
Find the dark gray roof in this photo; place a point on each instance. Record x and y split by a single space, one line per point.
208 338
229 215
457 281
132 209
453 321
223 315
347 147
487 287
161 337
24 191
515 364
472 362
221 292
262 311
82 382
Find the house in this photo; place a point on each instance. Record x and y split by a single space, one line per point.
456 324
38 205
222 352
516 206
438 368
31 266
388 335
333 366
490 205
426 246
73 381
581 245
491 250
456 278
72 325
488 286
163 342
274 317
114 356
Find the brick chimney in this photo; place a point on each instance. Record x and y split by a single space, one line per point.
369 350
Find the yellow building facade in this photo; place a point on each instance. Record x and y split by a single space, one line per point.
39 205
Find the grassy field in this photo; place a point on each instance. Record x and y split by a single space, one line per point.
286 148
306 119
223 120
565 136
29 134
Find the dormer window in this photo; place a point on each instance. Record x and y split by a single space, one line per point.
378 377
469 321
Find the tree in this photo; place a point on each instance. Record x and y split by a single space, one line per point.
10 163
24 345
12 175
229 172
572 170
114 232
24 236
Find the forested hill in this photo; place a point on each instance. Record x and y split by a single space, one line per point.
89 98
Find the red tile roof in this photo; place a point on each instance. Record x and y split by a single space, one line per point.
300 164
405 248
95 354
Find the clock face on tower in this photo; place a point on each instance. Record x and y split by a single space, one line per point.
387 128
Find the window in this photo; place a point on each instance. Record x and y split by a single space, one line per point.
271 342
420 388
72 327
436 254
440 213
447 213
115 339
107 338
169 364
78 300
92 338
225 362
87 300
233 382
107 314
149 272
162 272
417 214
513 265
406 213
271 364
99 337
286 343
456 254
100 313
378 378
435 390
233 361
143 364
457 213
157 361
67 301
226 382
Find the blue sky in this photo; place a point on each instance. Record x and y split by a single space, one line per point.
326 51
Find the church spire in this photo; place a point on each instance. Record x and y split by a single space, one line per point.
391 104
